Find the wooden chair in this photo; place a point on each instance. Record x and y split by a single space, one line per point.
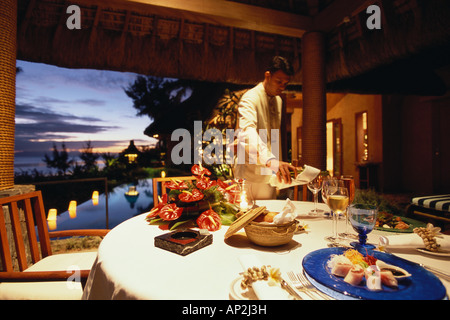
161 181
49 276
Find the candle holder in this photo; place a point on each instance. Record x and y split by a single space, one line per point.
246 196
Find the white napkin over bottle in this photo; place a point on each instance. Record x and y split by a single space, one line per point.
308 174
262 288
287 214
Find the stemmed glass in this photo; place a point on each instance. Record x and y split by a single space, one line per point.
349 183
362 218
315 186
336 197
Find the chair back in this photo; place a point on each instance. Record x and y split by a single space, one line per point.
29 208
161 182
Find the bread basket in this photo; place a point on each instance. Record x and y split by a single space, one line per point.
270 235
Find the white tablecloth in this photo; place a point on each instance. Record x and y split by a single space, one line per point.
129 266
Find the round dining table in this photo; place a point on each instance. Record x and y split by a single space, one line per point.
130 266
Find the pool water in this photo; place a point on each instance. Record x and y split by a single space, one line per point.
120 208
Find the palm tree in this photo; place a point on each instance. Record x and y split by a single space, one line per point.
89 157
60 160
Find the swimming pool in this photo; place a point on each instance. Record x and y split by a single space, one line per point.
120 208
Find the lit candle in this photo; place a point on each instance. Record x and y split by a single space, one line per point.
244 204
163 174
73 209
51 219
95 198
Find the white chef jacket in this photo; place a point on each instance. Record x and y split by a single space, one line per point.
259 112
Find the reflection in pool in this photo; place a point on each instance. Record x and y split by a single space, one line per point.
120 208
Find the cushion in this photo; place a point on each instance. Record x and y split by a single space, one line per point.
52 290
438 202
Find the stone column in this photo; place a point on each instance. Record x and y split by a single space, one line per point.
314 143
8 42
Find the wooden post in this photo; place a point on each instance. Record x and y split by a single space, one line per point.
314 144
8 49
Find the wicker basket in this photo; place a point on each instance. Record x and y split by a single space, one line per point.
270 235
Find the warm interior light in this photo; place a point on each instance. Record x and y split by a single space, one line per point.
95 198
131 157
163 174
51 219
132 191
73 209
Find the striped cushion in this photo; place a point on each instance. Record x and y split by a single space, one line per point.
440 202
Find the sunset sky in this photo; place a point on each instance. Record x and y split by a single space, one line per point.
55 105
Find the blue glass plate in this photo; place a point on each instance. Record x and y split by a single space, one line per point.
422 285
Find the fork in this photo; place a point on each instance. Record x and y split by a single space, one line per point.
303 285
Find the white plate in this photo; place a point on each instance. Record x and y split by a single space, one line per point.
440 253
237 293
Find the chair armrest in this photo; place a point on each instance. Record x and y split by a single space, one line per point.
33 276
79 232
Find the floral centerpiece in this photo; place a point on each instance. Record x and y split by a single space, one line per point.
202 203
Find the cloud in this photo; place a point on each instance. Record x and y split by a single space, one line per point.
37 128
92 102
44 115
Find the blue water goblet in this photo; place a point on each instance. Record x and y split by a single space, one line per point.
363 218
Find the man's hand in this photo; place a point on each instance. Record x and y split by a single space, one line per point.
282 169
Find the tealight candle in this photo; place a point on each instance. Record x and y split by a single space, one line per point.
95 198
244 204
73 209
51 219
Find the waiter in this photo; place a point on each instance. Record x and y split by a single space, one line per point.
259 121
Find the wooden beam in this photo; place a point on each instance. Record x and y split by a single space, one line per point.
226 13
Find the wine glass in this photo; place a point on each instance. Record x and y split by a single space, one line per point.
315 186
337 200
328 183
349 183
362 218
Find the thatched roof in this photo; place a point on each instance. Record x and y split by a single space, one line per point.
230 41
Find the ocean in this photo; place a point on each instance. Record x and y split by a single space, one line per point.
29 164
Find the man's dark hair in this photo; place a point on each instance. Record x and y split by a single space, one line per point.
280 63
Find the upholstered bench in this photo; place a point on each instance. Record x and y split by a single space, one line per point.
434 209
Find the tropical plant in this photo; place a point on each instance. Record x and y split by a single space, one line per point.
59 160
89 157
